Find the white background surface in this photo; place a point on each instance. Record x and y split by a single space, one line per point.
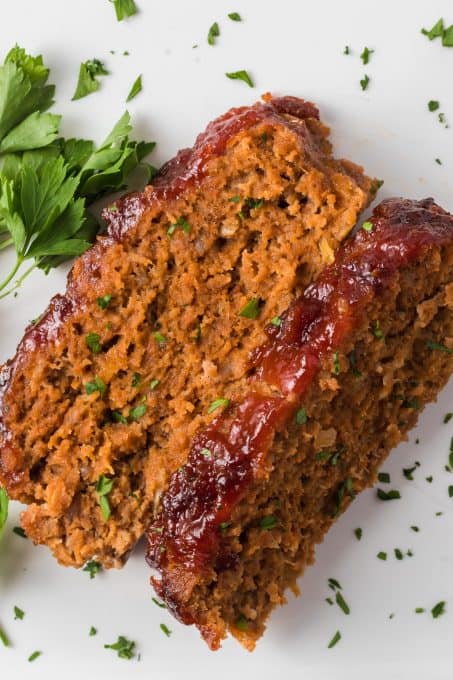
294 48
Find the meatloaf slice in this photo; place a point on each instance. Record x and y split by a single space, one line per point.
99 405
338 383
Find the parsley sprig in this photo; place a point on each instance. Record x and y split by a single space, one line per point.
47 183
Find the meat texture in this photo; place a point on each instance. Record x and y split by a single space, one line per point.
341 379
106 391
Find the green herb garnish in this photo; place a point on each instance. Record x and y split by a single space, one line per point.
450 491
382 555
104 301
394 494
19 532
104 486
268 522
182 223
276 321
347 50
438 609
252 309
301 416
213 33
153 384
433 105
93 631
219 403
160 339
124 8
96 385
358 533
4 502
336 638
118 417
165 629
206 453
334 584
137 412
377 331
435 32
18 613
234 16
235 199
384 477
447 418
364 82
93 568
241 623
158 603
123 647
241 75
93 342
336 363
88 78
4 639
135 89
366 54
34 656
398 554
367 226
419 610
341 602
136 379
438 346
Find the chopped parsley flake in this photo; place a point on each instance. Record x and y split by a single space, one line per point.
433 105
384 477
429 479
345 489
268 522
206 453
377 331
329 600
358 533
367 226
347 50
34 656
438 346
392 495
336 363
234 16
301 416
408 472
137 412
124 8
93 631
235 199
165 629
336 638
136 378
159 338
341 602
241 623
223 526
218 403
118 417
241 75
19 532
334 584
364 82
4 639
415 528
96 385
93 342
123 647
447 418
353 364
276 321
252 309
18 613
438 161
438 610
419 610
450 491
153 384
435 32
104 486
158 603
135 89
182 223
382 555
213 33
88 74
104 301
366 54
398 554
450 455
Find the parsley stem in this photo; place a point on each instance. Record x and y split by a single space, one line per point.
19 281
6 243
11 275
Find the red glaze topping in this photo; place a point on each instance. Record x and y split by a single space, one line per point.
230 453
175 177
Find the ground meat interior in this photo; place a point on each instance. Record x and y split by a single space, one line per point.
160 335
357 410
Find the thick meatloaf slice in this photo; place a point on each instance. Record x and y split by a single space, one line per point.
336 386
99 405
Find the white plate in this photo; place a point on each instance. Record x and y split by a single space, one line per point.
290 48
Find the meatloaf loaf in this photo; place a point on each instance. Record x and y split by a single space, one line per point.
101 401
340 381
